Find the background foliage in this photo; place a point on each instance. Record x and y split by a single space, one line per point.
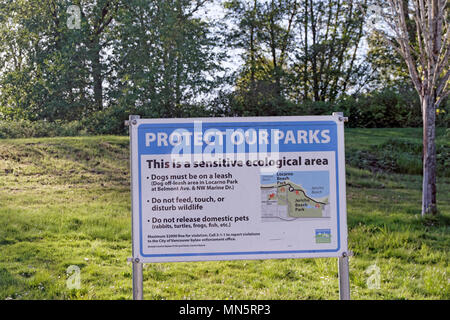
195 58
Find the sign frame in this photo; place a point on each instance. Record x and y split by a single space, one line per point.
341 252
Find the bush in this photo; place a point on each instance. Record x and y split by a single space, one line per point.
377 109
40 128
109 121
383 109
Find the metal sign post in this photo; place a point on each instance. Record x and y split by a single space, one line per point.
188 176
344 281
138 274
138 281
343 266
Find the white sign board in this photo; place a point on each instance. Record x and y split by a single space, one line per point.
238 188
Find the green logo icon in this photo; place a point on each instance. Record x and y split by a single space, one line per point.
323 236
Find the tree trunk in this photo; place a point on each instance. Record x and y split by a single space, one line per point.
97 75
314 72
252 92
429 157
305 71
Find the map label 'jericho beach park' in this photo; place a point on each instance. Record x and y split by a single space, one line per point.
238 188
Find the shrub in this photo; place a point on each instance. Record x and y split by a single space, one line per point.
109 121
40 128
375 109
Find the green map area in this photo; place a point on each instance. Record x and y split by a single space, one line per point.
292 196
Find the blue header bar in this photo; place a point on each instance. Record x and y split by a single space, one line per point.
237 137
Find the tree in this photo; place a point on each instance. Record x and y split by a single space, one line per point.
156 58
37 78
264 33
97 16
276 35
326 60
48 70
163 70
428 66
244 15
388 66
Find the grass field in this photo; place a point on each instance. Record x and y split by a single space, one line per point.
65 201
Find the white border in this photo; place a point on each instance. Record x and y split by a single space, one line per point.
135 187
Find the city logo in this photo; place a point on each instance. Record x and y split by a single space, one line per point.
323 236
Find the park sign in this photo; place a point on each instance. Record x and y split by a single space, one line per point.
238 188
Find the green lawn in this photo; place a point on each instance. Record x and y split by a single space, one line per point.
65 201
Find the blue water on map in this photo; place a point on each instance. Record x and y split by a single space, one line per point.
315 183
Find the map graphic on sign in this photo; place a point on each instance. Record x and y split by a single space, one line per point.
293 195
